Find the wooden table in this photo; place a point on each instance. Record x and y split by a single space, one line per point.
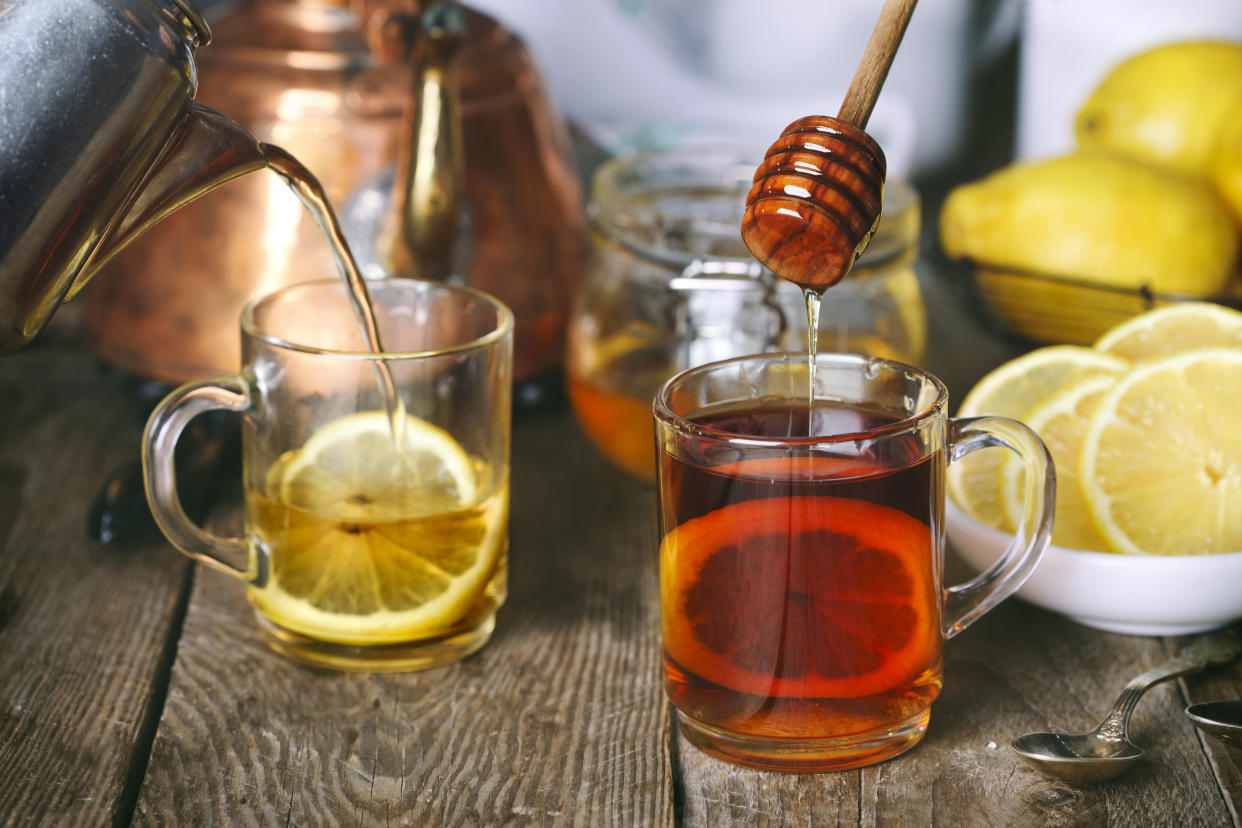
134 687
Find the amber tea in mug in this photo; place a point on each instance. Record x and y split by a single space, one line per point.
802 607
376 484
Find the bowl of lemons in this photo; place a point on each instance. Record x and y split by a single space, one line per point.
1145 432
1144 212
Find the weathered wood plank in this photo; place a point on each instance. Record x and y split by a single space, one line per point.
84 628
717 793
559 719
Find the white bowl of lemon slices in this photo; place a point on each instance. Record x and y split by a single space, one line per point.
1133 594
1145 429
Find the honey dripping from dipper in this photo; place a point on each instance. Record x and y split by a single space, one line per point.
817 196
814 204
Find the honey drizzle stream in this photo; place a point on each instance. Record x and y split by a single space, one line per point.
813 299
309 191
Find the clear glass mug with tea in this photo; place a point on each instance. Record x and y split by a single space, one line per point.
802 554
671 285
376 484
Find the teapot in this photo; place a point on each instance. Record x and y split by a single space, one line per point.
99 139
362 92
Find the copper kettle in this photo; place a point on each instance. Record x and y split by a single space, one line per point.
364 93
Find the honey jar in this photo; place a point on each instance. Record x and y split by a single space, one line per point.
670 285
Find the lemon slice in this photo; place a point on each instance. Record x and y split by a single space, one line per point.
1174 329
351 469
1061 422
1161 465
1013 390
369 543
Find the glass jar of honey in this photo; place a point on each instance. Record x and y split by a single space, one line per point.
670 285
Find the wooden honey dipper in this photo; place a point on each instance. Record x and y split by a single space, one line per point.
817 196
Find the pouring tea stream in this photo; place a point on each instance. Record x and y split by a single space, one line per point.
153 157
430 129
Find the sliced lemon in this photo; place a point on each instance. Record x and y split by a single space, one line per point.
352 469
1174 329
369 543
1161 466
1013 390
1061 422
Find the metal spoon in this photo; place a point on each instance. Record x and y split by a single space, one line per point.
1222 719
1107 751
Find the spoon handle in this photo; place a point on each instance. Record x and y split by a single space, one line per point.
1210 650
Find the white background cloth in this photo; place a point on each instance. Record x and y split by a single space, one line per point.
646 73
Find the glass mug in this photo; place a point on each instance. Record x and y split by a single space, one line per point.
376 538
801 594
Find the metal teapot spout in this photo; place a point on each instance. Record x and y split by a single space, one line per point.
99 139
207 151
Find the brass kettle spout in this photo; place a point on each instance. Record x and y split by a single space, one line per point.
422 232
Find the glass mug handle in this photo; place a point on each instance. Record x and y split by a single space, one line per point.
964 603
232 556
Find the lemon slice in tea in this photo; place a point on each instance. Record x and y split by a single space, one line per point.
370 543
1161 464
975 482
838 597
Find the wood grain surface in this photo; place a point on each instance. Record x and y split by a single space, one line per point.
86 630
111 707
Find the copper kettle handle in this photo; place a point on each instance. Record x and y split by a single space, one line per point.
423 228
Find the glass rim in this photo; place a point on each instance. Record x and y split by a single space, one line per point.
664 412
503 328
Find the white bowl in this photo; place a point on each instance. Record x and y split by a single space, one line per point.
1130 594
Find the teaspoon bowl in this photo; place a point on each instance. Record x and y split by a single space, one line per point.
1107 751
1219 719
1077 758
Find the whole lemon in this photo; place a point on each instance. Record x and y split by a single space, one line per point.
1095 216
1165 104
1226 168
